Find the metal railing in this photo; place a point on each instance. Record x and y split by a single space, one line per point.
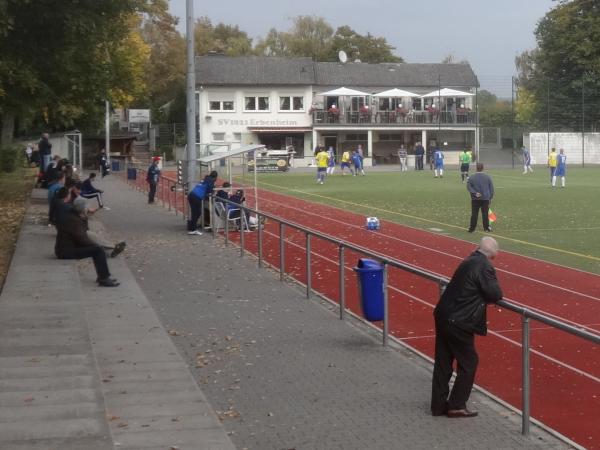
525 313
441 281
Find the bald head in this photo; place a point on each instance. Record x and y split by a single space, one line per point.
489 247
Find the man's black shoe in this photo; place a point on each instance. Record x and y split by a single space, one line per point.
470 231
489 230
108 282
460 413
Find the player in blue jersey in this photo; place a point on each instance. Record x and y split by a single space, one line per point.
438 161
331 162
357 160
561 168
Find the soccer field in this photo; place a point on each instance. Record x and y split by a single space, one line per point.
534 219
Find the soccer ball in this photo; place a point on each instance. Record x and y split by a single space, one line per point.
373 223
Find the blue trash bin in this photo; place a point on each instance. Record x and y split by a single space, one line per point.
370 288
115 165
131 173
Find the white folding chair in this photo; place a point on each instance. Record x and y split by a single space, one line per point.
227 214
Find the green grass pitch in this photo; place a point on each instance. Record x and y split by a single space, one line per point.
534 219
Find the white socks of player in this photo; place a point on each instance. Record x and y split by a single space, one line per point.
554 181
562 181
439 172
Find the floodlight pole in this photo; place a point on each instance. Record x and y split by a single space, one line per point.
190 94
107 131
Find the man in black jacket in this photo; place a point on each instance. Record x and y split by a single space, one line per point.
459 315
72 242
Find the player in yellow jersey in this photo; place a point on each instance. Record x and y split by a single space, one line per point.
322 158
552 162
346 162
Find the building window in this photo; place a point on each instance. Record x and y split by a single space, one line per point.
291 103
237 137
218 105
256 104
218 137
356 137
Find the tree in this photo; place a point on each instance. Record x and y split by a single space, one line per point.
275 43
226 39
367 48
310 36
61 60
165 68
565 64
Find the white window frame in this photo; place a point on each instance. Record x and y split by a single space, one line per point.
216 135
256 102
221 106
291 99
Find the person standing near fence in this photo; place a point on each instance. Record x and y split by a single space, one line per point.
103 163
459 315
561 168
45 151
419 154
152 178
198 201
552 165
526 161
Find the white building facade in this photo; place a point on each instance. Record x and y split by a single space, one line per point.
277 102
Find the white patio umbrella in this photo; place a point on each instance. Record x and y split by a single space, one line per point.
340 92
447 92
392 93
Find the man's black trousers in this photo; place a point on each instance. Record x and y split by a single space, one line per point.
95 252
476 205
152 192
452 343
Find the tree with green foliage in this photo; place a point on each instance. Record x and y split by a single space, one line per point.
313 36
565 65
61 60
221 38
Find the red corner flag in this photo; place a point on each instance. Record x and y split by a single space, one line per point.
492 216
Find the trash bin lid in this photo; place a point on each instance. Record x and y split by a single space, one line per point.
369 264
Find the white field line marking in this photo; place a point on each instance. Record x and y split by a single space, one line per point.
591 297
495 333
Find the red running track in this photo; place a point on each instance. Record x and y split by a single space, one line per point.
565 370
565 375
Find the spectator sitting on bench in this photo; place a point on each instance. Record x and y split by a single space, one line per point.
72 242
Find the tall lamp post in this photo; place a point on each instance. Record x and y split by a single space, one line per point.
190 94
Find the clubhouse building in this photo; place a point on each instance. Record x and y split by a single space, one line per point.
296 104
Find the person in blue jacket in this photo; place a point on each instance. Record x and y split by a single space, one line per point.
152 177
196 198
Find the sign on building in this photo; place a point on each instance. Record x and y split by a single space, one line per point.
139 116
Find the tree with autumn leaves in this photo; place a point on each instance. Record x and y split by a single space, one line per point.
60 61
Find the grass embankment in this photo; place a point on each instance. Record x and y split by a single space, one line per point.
534 219
15 189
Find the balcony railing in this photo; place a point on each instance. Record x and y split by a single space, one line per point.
406 118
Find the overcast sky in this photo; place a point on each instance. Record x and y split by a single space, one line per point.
487 33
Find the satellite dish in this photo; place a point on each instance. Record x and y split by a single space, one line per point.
342 56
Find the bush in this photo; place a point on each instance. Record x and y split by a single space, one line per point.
8 159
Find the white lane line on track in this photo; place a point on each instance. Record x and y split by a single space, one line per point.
581 294
493 332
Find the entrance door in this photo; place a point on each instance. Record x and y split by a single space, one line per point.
330 141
